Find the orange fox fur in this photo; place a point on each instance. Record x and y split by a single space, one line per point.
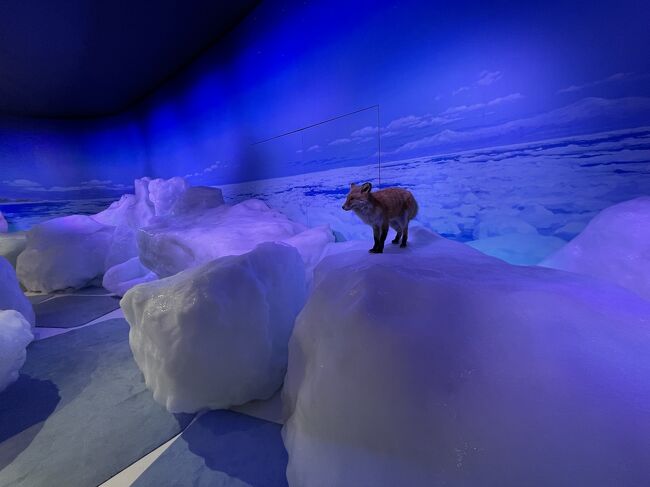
394 207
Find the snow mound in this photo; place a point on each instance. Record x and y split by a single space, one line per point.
175 243
615 246
439 365
67 252
216 336
11 295
122 277
153 198
11 245
4 226
15 335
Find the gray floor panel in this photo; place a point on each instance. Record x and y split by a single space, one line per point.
80 412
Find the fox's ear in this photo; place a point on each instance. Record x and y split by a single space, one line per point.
366 187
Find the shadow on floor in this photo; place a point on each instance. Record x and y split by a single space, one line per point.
22 420
222 448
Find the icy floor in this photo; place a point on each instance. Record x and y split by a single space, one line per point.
269 411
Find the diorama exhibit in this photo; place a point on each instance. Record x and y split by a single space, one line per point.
324 243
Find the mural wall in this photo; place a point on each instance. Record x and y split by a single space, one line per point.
504 118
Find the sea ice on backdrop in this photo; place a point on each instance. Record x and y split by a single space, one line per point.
615 246
15 335
560 185
11 295
439 365
519 248
4 226
174 243
216 335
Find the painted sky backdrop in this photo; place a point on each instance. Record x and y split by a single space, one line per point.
447 76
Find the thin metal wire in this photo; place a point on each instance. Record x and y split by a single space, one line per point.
378 148
316 124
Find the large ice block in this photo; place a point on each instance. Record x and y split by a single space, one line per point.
438 365
216 336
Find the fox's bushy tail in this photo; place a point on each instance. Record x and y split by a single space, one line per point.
415 208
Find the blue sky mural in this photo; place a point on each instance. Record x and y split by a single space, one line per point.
447 77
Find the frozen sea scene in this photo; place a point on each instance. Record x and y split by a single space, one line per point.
522 201
519 202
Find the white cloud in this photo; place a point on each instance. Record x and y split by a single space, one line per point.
365 132
21 183
609 79
92 184
488 77
460 90
399 125
444 137
585 109
206 170
485 78
314 147
341 141
96 182
477 106
413 121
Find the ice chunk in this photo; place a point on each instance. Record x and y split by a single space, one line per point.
197 198
615 246
15 335
135 210
153 198
520 249
172 244
11 245
216 336
67 252
438 365
4 226
123 247
164 193
11 295
122 277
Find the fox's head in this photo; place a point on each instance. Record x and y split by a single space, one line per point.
357 197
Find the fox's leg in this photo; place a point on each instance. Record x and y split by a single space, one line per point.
375 234
398 235
382 237
405 235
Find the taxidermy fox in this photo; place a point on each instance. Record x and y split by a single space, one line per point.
394 207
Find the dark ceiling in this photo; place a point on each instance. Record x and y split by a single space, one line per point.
87 58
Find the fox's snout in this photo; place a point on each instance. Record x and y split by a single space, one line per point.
345 207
